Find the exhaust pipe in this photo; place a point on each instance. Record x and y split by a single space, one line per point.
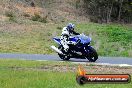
56 49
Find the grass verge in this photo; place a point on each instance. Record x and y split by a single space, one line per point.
36 74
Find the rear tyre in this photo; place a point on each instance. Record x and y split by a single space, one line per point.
92 56
63 57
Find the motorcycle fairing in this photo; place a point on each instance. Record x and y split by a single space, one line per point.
84 39
57 40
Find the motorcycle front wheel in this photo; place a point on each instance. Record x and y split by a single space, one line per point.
92 56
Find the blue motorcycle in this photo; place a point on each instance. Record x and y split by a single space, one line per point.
81 49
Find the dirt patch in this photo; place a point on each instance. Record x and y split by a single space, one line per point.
89 69
30 10
62 10
3 18
109 69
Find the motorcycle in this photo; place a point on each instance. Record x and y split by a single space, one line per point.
81 49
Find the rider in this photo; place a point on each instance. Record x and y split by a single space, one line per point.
66 33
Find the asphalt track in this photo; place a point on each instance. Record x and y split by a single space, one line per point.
101 60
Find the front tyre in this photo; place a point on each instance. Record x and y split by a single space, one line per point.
92 56
63 57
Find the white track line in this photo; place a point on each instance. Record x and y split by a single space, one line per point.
105 64
101 64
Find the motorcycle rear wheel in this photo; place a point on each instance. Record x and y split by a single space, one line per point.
63 57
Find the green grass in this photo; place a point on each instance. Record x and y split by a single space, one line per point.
109 39
30 63
27 39
30 78
36 37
